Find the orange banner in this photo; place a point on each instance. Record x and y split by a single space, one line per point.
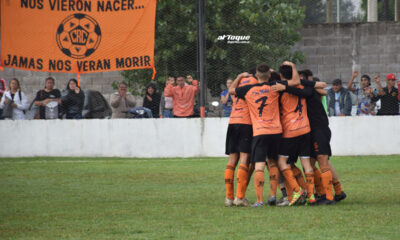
77 36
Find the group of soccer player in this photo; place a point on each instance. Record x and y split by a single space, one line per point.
276 118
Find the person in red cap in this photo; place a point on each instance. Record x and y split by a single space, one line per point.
388 95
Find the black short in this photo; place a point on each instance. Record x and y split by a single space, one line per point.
295 147
320 141
264 146
238 138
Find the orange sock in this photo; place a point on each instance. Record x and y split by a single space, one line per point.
317 181
299 176
310 183
259 184
326 178
338 187
291 180
289 191
242 175
229 174
273 179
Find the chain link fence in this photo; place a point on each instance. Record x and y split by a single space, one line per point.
238 36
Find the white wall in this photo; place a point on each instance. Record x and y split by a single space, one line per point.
153 138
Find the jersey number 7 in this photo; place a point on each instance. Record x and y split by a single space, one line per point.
263 101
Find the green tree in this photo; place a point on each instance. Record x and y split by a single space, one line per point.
271 24
385 10
315 11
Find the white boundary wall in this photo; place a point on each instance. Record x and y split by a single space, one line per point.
157 138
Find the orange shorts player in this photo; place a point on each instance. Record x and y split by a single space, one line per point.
263 104
238 146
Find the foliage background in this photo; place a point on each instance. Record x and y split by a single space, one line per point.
272 25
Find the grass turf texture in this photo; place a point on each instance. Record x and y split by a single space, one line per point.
104 198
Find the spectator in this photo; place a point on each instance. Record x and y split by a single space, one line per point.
339 100
364 94
183 97
2 90
166 104
72 103
48 100
189 79
226 100
388 96
196 106
121 102
152 100
16 100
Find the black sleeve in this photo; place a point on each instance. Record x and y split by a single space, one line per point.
57 93
283 82
37 98
375 98
308 83
242 91
81 96
305 93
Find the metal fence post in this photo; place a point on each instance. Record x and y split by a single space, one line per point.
201 57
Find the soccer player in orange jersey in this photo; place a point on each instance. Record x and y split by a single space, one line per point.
263 104
296 139
320 136
238 146
339 193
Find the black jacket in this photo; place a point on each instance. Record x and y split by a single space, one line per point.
154 104
72 103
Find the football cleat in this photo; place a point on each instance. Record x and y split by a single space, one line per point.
320 198
282 203
241 202
303 199
311 201
340 197
326 202
257 204
272 201
296 197
228 202
317 197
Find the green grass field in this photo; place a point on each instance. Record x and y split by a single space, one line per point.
104 198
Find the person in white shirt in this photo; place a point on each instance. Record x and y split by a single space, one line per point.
16 98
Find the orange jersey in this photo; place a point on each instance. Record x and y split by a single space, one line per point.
183 98
240 111
294 115
263 105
